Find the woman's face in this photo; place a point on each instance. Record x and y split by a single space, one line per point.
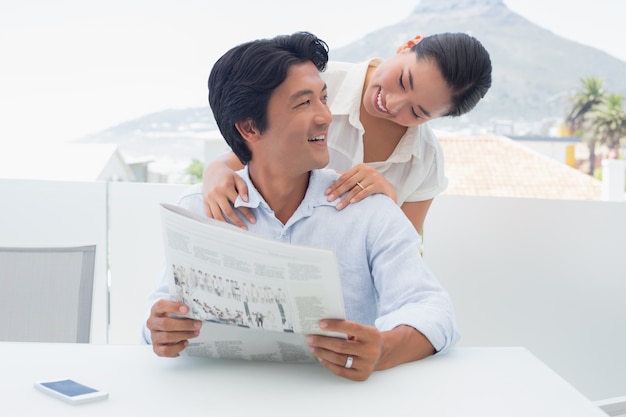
407 91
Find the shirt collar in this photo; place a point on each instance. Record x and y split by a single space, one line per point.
409 145
348 97
319 180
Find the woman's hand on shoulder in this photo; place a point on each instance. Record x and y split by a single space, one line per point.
359 182
220 187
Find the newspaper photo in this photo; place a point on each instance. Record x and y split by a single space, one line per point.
258 298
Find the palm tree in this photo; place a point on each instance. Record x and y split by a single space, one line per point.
608 123
583 103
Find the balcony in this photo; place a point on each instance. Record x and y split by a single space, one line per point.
546 274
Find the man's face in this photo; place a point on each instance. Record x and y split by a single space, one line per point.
297 123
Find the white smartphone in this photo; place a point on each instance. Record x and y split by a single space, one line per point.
71 391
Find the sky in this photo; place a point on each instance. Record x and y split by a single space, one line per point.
69 68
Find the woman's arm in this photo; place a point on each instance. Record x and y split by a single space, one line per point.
416 212
220 187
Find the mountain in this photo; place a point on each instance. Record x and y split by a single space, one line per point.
534 71
169 140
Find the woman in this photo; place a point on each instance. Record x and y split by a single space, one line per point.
379 138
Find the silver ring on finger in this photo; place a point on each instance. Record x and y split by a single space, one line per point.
349 361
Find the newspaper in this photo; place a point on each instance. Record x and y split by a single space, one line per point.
258 298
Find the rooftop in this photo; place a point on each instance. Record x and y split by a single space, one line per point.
501 167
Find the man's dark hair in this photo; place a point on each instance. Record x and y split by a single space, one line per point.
243 79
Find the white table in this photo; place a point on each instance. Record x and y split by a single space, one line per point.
464 382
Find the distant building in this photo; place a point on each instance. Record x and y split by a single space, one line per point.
561 149
141 170
64 162
214 146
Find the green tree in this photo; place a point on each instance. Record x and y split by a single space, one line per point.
583 103
608 123
194 170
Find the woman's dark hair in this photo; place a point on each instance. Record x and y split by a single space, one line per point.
464 64
243 79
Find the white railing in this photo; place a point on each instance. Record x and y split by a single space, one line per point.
549 275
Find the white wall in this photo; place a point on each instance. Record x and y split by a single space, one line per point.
55 213
136 252
547 275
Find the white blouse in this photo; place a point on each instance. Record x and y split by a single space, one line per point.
416 166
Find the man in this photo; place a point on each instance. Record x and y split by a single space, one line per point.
269 102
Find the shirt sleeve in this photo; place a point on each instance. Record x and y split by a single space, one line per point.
409 293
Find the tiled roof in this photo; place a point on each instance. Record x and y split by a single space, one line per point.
499 166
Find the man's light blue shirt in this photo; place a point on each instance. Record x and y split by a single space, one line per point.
384 279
